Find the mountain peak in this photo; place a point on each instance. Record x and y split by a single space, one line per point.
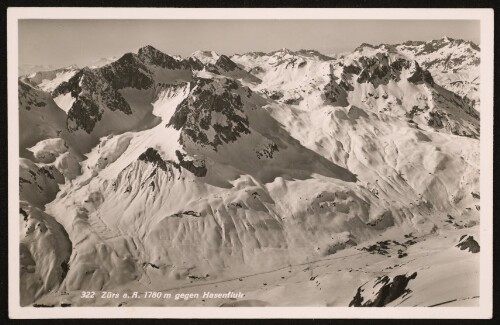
313 54
458 41
206 57
363 45
147 49
151 52
194 117
152 56
252 54
71 67
285 50
205 52
84 70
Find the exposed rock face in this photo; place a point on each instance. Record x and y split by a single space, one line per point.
152 156
195 166
38 185
275 95
453 63
212 114
468 243
267 151
380 69
420 76
351 68
27 98
384 291
378 66
93 93
335 94
128 71
467 53
458 53
36 106
151 56
97 90
225 63
314 54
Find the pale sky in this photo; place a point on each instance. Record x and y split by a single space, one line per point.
64 42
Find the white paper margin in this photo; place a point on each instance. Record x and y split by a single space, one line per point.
485 309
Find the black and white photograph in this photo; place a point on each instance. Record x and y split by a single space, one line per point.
221 161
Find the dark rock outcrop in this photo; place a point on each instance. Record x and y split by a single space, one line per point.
152 156
421 76
379 69
469 243
334 93
96 90
196 114
225 63
197 167
93 93
389 290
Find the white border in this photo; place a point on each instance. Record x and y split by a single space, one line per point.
485 310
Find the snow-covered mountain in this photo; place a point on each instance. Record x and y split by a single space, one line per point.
102 62
27 69
274 174
49 80
454 64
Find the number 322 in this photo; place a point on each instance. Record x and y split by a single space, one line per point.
87 294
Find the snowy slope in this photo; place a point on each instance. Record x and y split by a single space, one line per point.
39 117
44 253
49 80
168 171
